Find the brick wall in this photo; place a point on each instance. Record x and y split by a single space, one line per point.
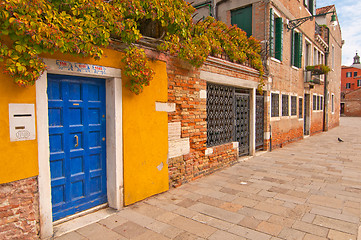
353 108
285 132
352 102
19 212
187 125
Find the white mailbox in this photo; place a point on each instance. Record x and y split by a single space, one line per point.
22 122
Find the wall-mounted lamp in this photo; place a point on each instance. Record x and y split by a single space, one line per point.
292 24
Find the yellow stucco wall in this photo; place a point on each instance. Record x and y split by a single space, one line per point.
18 160
145 131
145 134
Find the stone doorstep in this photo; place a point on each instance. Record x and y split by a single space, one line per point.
82 219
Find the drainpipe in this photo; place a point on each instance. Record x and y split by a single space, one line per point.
325 90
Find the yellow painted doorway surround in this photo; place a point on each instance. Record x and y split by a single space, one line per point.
145 139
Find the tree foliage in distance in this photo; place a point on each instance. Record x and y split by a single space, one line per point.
29 28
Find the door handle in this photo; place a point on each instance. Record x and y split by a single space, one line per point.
77 140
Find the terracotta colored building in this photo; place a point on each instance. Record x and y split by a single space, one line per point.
351 76
350 89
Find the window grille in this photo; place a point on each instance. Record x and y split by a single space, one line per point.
275 105
293 105
314 102
300 105
318 103
285 105
220 114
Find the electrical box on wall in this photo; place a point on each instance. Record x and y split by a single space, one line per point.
21 122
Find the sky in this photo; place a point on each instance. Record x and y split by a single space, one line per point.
349 16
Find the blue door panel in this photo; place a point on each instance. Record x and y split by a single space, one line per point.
77 143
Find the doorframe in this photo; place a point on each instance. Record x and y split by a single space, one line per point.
239 83
114 133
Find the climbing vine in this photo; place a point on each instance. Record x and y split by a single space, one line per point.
30 28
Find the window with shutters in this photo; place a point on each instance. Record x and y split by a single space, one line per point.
275 104
349 74
359 83
354 74
300 108
242 17
276 35
311 6
296 58
348 85
293 105
285 104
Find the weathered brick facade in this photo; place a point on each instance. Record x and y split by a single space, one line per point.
186 90
19 214
352 103
283 77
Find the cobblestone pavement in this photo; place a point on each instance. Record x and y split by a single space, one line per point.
307 190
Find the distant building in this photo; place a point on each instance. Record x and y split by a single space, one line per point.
350 89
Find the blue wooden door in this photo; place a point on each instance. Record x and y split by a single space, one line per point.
77 143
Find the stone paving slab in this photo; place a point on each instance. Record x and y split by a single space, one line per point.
308 190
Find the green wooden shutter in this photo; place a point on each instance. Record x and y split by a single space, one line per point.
271 33
312 7
279 38
292 47
243 19
300 46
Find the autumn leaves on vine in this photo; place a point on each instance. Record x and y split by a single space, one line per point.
29 28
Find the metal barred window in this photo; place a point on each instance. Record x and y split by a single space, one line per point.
318 103
293 105
220 114
314 102
285 105
275 105
300 105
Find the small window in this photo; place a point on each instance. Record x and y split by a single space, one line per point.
333 57
348 74
300 107
318 102
359 83
293 106
296 50
321 103
311 6
333 103
354 74
276 36
314 102
348 85
285 105
275 105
